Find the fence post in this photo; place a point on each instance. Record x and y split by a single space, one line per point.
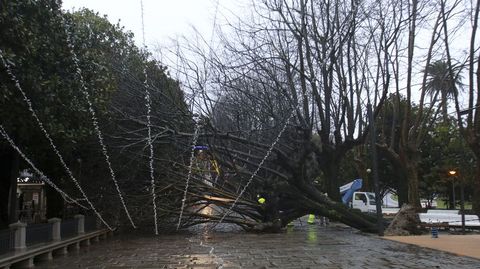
20 235
80 223
56 233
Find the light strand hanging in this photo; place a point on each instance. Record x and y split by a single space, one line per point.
148 103
192 158
64 195
46 134
84 91
269 151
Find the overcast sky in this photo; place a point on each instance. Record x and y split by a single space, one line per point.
164 19
168 19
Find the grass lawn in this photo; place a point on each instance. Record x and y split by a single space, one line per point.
442 204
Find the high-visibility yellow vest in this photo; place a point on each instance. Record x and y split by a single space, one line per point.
311 219
215 167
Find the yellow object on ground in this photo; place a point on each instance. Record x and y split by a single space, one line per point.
311 219
261 200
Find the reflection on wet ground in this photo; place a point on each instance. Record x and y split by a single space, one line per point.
301 246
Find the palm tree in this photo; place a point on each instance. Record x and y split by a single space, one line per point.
444 81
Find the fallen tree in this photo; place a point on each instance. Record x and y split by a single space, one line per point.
312 66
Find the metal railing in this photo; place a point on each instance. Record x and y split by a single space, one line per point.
38 233
31 215
6 241
68 228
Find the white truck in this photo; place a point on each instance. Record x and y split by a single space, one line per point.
364 201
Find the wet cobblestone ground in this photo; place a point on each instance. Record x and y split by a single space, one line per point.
302 246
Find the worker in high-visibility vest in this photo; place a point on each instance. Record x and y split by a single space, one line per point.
261 200
311 219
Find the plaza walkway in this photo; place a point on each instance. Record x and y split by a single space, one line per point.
302 246
463 245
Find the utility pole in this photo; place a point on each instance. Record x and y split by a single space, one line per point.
373 148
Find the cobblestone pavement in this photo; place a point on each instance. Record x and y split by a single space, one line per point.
302 246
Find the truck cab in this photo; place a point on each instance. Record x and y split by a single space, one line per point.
365 201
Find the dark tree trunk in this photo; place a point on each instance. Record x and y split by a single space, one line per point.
402 188
413 195
444 106
361 169
5 170
474 144
409 157
9 167
400 170
12 195
55 204
476 190
321 205
331 170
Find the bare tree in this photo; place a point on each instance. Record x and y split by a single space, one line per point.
470 127
323 62
402 147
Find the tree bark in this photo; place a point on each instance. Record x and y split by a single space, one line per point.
476 190
409 157
330 170
402 188
321 205
413 196
5 169
400 170
361 167
12 194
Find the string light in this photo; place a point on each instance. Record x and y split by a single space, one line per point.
148 104
47 135
192 157
83 89
44 178
269 151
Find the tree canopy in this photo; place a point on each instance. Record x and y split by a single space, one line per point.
35 47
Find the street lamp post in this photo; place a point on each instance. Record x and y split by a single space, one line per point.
454 175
